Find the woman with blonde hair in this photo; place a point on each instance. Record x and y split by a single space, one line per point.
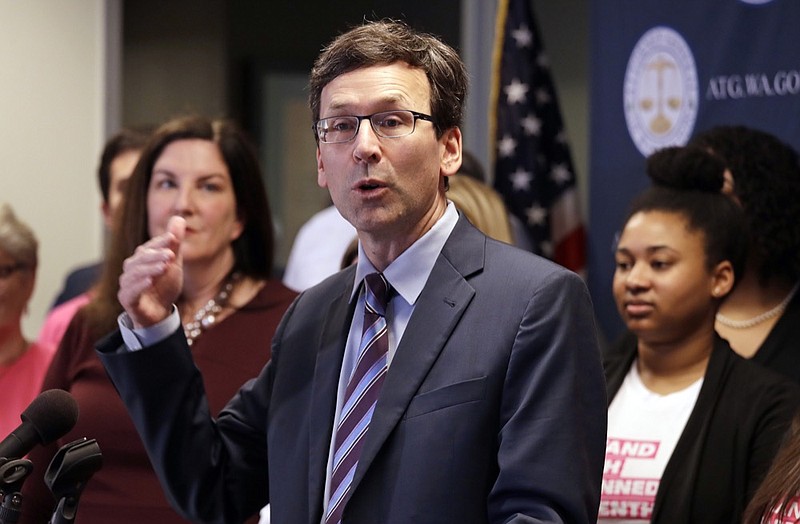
22 363
482 205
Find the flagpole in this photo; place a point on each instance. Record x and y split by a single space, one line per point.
497 58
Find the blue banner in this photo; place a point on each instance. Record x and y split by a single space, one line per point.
664 70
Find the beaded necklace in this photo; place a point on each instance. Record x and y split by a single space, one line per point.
758 319
206 316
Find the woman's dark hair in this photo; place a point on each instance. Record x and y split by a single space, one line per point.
385 42
253 250
766 181
688 181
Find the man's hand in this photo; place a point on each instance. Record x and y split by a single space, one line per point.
152 278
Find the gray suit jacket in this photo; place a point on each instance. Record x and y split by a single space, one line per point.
493 410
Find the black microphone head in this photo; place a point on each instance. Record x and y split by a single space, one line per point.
52 414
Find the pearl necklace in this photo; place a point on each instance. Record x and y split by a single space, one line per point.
758 319
207 315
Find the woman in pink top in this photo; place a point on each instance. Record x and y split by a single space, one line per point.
57 321
22 363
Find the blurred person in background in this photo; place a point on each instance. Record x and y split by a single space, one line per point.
22 363
117 161
761 317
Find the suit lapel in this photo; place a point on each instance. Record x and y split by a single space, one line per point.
323 395
438 310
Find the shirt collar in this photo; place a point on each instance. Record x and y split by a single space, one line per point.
409 272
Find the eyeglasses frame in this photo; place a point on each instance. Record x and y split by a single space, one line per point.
6 270
417 116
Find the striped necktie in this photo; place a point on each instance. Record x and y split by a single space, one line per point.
361 395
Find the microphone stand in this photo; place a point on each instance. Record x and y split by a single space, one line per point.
67 475
12 474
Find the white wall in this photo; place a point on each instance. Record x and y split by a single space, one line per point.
52 125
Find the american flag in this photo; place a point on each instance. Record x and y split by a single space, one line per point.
533 167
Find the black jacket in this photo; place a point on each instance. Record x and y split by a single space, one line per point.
733 432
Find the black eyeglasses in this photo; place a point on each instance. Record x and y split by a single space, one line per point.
8 270
386 124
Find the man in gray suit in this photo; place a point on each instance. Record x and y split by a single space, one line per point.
489 401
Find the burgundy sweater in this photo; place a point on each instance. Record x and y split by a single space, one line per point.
126 490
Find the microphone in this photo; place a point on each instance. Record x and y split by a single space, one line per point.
48 417
66 476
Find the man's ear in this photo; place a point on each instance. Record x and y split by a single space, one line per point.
322 180
451 151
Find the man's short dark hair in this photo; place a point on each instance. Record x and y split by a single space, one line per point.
127 139
386 42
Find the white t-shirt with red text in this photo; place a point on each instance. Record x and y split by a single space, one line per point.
643 429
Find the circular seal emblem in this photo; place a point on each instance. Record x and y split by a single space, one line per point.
660 92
